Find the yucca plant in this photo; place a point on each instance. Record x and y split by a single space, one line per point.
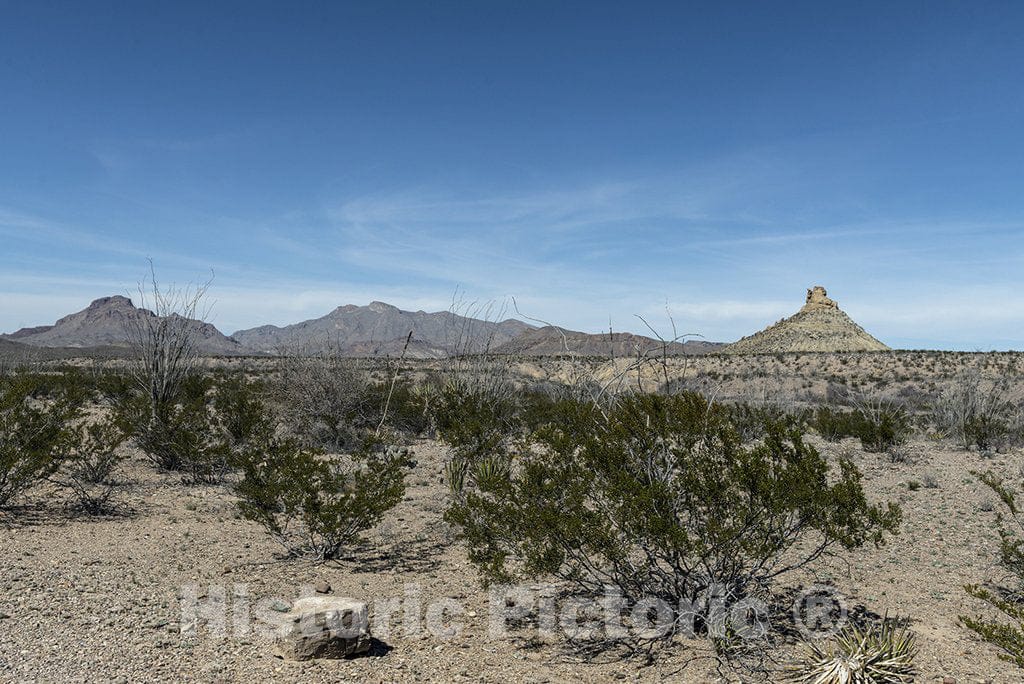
455 472
491 470
875 654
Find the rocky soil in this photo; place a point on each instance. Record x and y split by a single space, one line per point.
101 599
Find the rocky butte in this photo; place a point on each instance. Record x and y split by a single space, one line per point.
819 326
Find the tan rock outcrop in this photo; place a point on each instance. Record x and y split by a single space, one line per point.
819 326
818 297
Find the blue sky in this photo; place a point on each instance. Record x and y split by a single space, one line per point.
595 161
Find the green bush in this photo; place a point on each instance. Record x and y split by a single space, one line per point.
835 424
882 425
179 435
1009 637
238 411
34 432
658 497
476 424
752 422
314 505
88 468
408 410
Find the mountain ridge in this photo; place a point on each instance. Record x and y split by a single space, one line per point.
373 330
385 325
104 323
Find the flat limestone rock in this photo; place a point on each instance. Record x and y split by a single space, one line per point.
325 627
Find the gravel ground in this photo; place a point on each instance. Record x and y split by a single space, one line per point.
100 599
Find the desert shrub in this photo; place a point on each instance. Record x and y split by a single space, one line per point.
874 654
542 407
405 406
166 410
179 435
476 424
312 504
657 497
323 400
882 425
1009 637
976 413
239 410
112 386
834 424
34 433
752 422
67 383
88 469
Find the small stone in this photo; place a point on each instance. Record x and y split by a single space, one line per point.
949 680
322 587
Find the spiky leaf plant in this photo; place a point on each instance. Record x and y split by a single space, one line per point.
875 654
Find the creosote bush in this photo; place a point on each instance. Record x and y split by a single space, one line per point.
166 409
316 505
179 435
658 497
313 504
751 421
34 435
89 466
882 425
330 402
834 424
1008 637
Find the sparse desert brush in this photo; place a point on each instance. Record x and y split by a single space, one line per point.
89 466
1009 637
34 433
874 654
752 422
167 409
884 425
180 435
976 412
834 424
476 424
657 496
322 399
315 505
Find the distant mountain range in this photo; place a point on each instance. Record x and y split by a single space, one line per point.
103 323
377 329
382 329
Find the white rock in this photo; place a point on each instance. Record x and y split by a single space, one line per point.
325 627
